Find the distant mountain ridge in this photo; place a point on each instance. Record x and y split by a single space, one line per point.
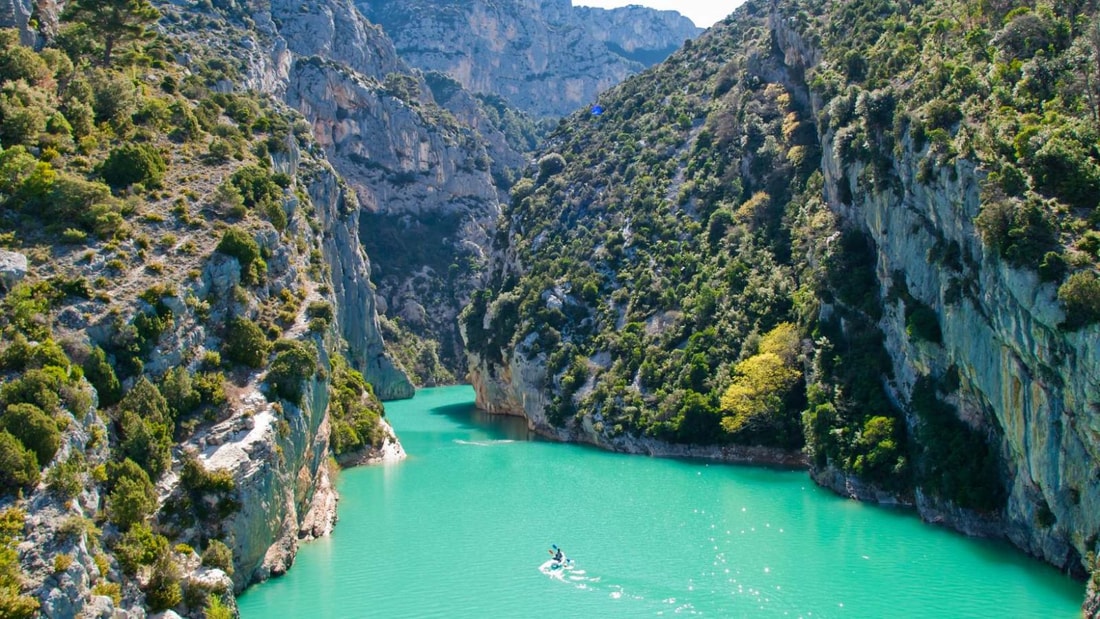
545 57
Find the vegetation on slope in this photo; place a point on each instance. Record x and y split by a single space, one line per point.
169 260
657 243
668 245
1014 88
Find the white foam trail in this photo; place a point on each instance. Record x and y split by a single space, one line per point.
484 443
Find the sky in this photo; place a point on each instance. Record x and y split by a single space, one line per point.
703 12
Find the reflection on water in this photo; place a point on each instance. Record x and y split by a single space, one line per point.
497 427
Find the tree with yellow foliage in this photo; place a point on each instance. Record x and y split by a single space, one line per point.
762 382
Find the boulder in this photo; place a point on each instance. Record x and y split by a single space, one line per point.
13 268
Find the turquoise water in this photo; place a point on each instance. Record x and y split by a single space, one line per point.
460 529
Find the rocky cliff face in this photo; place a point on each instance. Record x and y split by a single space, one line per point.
423 183
1028 383
282 46
36 20
546 58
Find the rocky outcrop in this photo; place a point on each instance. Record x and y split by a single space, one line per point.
1031 385
279 476
13 268
283 48
636 32
335 30
49 534
350 272
390 451
36 20
544 57
1029 382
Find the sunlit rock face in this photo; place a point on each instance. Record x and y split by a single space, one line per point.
545 57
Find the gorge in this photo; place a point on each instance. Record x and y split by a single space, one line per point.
855 236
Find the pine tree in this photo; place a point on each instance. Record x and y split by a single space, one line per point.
115 21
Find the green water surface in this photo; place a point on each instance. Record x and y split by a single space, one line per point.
461 528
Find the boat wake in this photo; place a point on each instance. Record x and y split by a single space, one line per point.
562 571
484 443
571 574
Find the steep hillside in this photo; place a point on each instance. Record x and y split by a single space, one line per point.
544 57
864 229
184 305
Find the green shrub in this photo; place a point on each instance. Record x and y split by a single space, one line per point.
114 97
145 399
23 114
194 477
940 114
256 185
37 387
294 362
134 163
131 502
163 590
356 412
922 322
179 392
12 604
34 428
321 310
146 442
67 199
62 562
112 590
219 556
18 62
217 609
186 126
1062 168
211 388
549 165
139 546
1022 234
102 376
1081 297
18 465
72 236
245 343
879 448
16 165
67 478
219 151
227 199
239 244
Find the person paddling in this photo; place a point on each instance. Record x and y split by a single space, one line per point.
559 556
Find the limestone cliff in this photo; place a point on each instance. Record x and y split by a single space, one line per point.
273 42
422 180
1025 380
546 57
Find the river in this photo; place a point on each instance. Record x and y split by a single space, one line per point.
461 528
